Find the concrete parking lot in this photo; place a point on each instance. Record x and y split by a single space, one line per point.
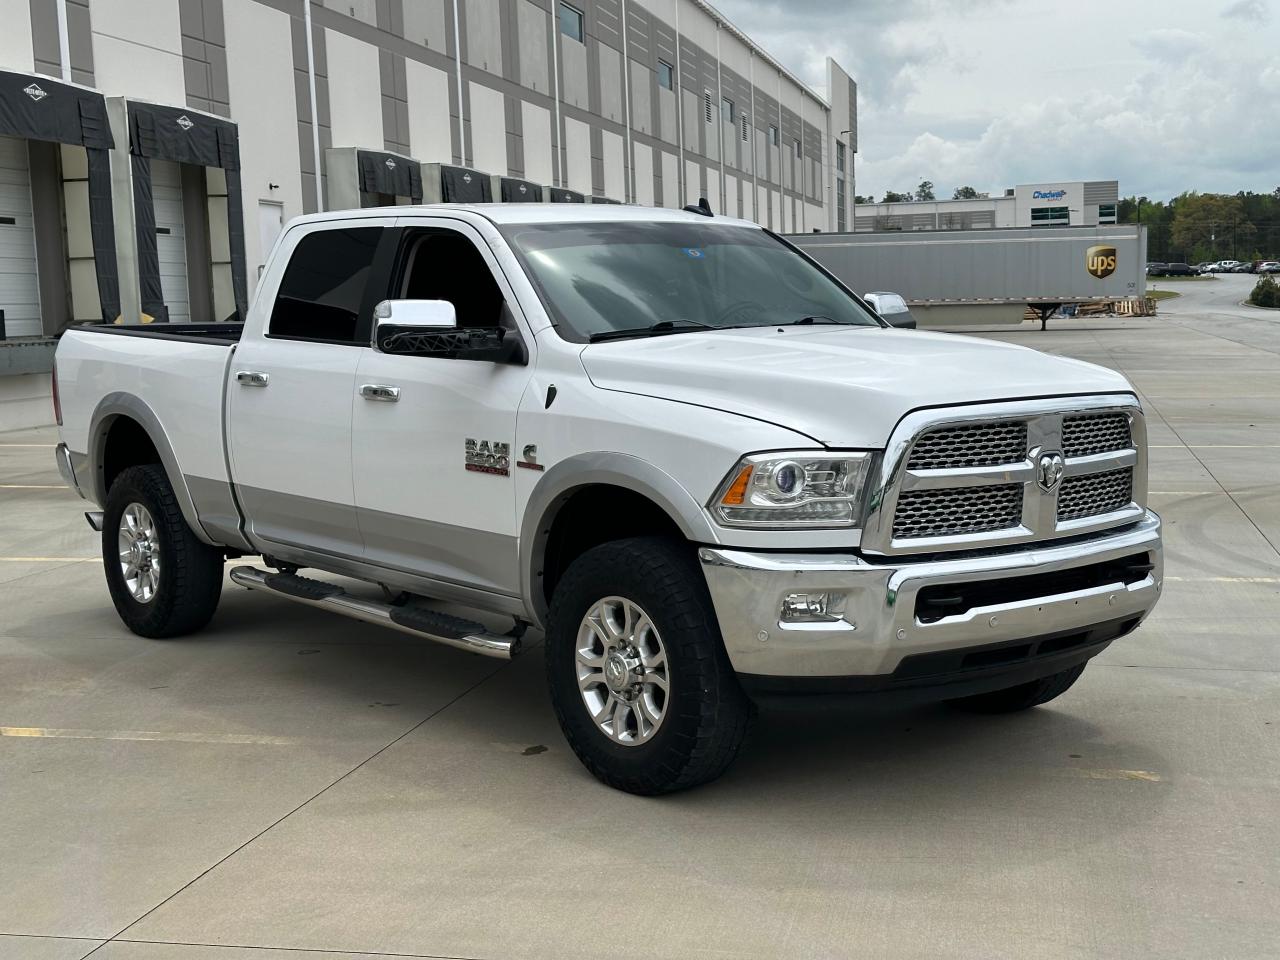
287 784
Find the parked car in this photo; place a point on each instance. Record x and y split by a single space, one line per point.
670 441
1157 269
891 308
1179 270
1227 266
1269 266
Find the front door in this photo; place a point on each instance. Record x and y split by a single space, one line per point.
433 467
291 391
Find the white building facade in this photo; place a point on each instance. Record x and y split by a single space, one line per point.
1052 203
212 122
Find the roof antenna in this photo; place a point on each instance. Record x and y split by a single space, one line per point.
702 208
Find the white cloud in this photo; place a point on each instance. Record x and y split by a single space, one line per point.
1247 10
994 93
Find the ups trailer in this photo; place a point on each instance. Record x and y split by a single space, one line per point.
953 277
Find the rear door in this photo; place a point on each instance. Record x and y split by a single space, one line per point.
171 238
19 289
433 468
292 386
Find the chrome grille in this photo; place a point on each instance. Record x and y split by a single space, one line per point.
1086 435
980 477
971 445
1092 494
951 511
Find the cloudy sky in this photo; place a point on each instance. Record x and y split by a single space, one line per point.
1163 95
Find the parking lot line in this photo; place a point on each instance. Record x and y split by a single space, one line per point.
147 735
50 559
33 486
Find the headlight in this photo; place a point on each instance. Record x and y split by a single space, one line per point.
797 489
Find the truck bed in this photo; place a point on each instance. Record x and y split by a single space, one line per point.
207 332
171 378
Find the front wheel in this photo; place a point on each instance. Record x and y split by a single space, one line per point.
638 676
163 580
1022 697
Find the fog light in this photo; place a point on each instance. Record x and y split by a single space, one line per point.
813 607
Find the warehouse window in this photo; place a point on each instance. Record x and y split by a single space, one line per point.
571 22
1106 213
726 110
798 153
666 75
773 135
1050 216
840 156
841 221
706 105
746 128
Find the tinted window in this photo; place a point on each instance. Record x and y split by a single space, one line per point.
442 265
594 278
666 76
571 22
323 289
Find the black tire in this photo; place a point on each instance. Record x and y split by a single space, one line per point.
190 579
706 716
1022 697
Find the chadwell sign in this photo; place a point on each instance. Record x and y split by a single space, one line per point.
1100 261
1048 194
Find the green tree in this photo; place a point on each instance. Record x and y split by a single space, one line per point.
964 193
1212 218
859 198
925 190
892 196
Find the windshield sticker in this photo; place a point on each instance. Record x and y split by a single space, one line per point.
693 253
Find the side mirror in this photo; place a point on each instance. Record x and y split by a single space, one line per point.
438 314
429 328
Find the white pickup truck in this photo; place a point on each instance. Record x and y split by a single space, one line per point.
672 443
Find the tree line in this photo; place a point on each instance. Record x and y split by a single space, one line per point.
1196 227
1192 227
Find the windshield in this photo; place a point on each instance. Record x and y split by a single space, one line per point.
601 279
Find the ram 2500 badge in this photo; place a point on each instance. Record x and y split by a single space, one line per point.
672 443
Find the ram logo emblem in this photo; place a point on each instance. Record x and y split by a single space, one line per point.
1049 470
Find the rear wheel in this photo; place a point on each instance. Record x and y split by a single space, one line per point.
163 580
1022 697
638 676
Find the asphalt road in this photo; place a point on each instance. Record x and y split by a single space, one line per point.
288 785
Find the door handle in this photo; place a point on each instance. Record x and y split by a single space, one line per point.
380 391
252 378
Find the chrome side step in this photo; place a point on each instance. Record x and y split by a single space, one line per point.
415 621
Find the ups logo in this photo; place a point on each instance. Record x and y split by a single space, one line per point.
1100 261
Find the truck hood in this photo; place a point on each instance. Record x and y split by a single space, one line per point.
843 387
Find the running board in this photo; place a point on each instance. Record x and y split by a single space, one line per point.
415 621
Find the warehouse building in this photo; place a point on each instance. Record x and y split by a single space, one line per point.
1068 203
151 150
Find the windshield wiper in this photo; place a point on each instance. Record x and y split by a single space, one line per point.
805 321
654 329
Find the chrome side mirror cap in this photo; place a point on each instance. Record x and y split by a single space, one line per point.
436 314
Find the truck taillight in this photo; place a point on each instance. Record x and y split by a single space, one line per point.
57 403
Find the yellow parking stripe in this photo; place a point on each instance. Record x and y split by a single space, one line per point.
147 735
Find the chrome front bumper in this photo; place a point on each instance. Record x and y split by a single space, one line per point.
879 626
